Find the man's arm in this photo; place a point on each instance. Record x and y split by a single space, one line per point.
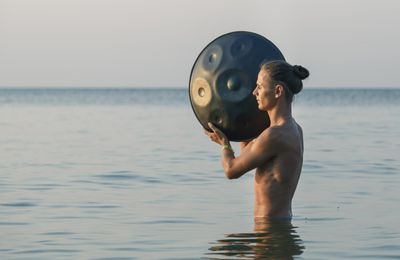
244 145
254 156
260 150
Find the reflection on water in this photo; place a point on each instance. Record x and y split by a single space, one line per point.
272 240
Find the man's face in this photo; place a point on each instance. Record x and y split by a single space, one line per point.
264 92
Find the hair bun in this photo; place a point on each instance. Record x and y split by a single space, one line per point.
300 71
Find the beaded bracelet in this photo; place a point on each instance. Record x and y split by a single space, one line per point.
227 147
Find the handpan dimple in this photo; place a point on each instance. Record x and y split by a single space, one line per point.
212 58
233 85
222 80
241 47
201 92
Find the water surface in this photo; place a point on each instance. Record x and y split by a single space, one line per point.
128 174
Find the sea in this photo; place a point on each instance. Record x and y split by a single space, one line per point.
117 173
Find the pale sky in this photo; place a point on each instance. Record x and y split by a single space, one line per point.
154 43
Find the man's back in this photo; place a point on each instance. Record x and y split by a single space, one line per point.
276 180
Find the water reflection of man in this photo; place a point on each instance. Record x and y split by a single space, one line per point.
272 240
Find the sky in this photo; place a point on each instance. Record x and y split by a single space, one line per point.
154 43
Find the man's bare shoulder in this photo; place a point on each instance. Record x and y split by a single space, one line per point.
279 136
270 137
272 134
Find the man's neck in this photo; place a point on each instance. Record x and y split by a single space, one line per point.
280 114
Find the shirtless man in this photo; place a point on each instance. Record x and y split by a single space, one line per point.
277 153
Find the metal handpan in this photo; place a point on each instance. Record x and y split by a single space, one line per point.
222 80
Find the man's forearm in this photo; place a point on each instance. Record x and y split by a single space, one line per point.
227 157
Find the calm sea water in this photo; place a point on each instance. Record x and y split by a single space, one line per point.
129 174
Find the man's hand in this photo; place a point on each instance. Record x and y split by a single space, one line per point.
217 135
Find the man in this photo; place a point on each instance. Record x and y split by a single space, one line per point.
277 153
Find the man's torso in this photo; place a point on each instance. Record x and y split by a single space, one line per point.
275 181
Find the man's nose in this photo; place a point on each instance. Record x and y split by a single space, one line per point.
254 92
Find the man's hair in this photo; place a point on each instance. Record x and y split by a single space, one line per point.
290 76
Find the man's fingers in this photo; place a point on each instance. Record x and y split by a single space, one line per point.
215 129
209 134
210 125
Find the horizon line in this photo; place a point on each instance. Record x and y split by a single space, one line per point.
172 88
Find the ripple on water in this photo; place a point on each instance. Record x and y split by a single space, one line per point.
40 251
118 176
116 258
169 221
58 233
323 219
99 206
193 178
21 204
10 223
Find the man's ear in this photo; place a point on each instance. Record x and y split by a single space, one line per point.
279 91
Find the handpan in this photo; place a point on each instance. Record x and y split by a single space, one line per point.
222 80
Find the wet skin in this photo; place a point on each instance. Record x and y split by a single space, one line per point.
276 154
